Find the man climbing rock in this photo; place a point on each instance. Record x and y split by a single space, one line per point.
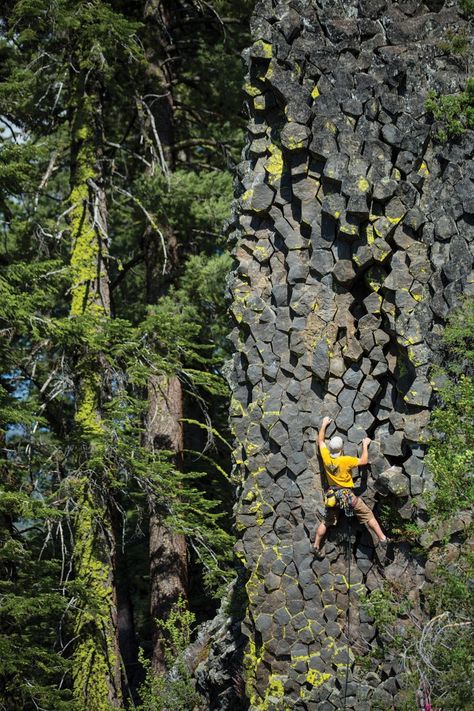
337 469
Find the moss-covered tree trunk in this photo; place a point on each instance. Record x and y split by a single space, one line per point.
96 667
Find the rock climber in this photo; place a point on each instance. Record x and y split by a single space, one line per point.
337 469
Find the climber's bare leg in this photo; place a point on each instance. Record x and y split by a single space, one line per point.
320 533
374 525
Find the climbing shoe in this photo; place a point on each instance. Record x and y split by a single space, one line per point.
318 554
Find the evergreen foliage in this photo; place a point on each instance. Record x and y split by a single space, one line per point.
451 454
455 112
467 6
95 188
174 692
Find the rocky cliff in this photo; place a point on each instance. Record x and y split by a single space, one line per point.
353 240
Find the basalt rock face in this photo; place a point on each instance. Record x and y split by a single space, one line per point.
353 238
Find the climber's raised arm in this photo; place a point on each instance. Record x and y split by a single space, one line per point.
322 431
364 457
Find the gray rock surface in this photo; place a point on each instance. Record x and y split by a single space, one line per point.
353 240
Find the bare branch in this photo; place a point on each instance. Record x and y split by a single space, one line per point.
190 142
128 150
149 112
150 219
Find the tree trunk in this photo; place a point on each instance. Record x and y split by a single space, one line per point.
168 555
96 666
168 559
127 637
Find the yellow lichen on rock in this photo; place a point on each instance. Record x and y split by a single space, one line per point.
266 48
423 170
274 163
363 184
251 90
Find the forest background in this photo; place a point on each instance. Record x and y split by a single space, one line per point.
121 124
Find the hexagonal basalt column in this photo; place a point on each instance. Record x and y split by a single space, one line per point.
352 236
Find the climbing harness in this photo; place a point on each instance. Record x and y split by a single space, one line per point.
344 498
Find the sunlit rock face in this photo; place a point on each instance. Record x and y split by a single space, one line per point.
353 238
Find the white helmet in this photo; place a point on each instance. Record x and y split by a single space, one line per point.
335 446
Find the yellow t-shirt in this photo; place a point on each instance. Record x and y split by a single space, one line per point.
338 469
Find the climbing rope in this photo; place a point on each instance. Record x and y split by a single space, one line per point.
349 556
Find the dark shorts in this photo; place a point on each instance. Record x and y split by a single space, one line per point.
361 510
